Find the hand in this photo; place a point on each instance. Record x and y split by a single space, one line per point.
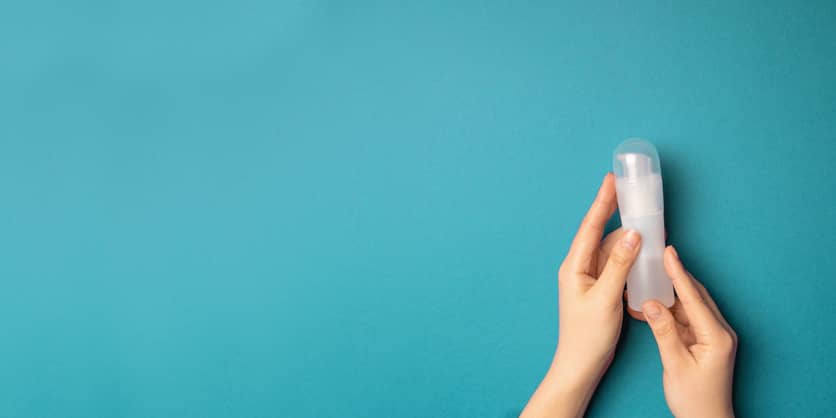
697 347
590 287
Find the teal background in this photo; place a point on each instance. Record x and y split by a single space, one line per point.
323 209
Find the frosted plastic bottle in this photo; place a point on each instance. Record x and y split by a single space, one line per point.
638 185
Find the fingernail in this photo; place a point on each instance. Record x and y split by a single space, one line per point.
630 240
675 254
652 311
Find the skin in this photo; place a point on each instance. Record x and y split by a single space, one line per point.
696 344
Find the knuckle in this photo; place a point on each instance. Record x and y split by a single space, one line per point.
564 274
562 271
619 258
684 298
726 342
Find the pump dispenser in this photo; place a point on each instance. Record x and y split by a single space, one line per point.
638 185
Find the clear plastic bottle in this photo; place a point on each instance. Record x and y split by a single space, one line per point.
638 184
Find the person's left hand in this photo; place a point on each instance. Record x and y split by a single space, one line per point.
590 288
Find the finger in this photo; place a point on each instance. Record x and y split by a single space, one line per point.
700 316
634 314
672 349
677 311
611 281
685 333
710 302
606 248
610 240
589 234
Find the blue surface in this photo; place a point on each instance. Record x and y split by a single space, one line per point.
322 209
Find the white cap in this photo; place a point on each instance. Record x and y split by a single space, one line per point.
634 158
638 178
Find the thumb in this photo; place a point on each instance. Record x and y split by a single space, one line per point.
614 275
671 348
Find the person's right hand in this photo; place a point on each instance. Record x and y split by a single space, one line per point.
697 347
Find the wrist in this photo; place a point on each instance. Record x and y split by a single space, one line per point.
563 393
579 369
573 379
722 412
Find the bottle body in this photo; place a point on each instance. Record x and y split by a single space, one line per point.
641 208
647 278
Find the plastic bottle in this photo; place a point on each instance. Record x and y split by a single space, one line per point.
638 184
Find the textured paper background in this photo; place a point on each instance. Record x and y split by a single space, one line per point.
288 209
